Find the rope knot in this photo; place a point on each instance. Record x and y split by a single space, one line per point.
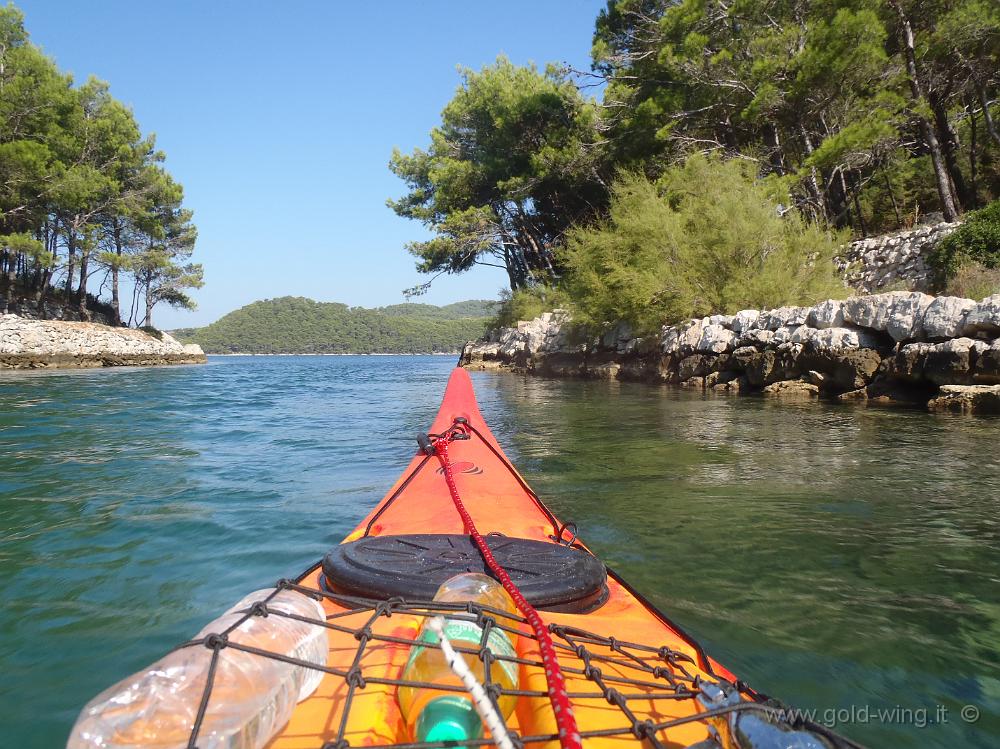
216 641
355 679
493 690
259 608
643 729
364 632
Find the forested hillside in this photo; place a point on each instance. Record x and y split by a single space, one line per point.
295 325
600 189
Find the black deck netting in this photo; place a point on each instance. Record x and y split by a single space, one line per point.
617 672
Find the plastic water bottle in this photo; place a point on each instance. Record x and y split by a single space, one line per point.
252 696
433 715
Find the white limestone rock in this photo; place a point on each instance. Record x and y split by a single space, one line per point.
533 341
670 337
984 317
716 339
945 316
617 337
828 314
725 321
745 320
510 344
802 334
837 339
873 310
906 316
785 334
757 337
91 344
782 316
690 336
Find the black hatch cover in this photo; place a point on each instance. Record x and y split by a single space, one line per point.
551 576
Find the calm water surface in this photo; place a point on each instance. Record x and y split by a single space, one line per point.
841 559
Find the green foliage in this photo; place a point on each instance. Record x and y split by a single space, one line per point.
24 244
453 311
506 172
527 304
707 238
974 281
975 242
823 91
78 178
899 194
295 325
864 115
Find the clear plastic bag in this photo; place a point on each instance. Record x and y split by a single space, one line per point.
252 696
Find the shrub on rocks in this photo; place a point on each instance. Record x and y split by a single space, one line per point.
974 281
707 238
975 243
526 304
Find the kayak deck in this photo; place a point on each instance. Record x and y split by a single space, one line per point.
631 674
588 650
628 669
617 686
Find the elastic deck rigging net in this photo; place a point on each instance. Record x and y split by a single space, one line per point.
630 677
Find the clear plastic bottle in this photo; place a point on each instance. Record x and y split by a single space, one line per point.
252 696
433 715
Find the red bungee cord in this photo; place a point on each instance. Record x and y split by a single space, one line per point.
569 735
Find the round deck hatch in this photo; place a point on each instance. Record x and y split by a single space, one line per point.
551 576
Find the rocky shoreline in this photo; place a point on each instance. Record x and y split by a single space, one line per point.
27 343
902 347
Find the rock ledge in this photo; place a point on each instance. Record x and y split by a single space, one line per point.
898 347
27 344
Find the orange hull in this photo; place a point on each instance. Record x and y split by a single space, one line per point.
499 501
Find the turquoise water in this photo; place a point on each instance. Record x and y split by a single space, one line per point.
839 558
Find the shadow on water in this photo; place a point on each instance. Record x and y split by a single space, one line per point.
833 557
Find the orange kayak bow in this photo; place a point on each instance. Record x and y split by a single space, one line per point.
631 673
585 662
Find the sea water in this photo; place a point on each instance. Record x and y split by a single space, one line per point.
843 559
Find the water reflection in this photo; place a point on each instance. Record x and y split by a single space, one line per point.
831 555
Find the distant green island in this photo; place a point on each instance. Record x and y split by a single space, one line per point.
296 325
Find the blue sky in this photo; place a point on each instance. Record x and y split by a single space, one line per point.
279 120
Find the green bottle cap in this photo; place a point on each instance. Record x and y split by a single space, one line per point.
448 719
